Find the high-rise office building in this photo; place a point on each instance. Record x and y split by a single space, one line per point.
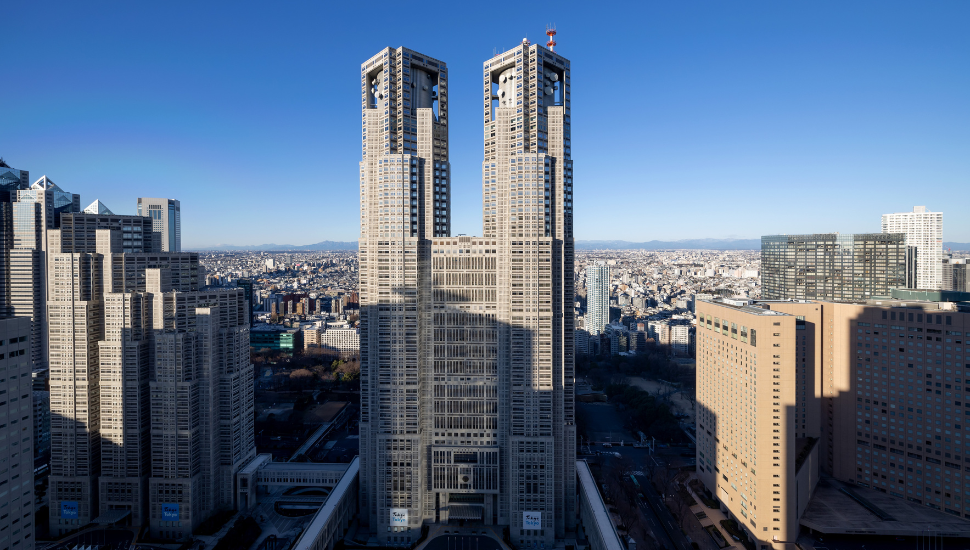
832 266
247 285
12 179
16 424
17 350
79 232
151 384
597 297
166 218
35 210
955 274
924 236
786 389
466 342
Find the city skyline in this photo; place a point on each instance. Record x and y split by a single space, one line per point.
467 372
864 107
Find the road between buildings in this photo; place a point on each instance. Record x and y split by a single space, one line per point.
676 538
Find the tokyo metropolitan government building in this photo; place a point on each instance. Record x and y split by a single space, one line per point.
467 411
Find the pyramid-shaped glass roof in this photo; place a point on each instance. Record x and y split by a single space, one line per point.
46 184
98 207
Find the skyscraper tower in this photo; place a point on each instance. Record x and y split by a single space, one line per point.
151 384
404 202
166 215
597 297
466 342
35 210
527 179
924 238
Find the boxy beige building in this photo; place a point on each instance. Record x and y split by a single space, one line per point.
755 451
880 385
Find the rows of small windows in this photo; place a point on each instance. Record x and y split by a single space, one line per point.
919 415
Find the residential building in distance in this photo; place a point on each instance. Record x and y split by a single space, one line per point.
839 267
166 216
343 340
680 339
16 425
597 297
924 235
867 392
467 350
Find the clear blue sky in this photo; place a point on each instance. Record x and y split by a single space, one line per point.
690 119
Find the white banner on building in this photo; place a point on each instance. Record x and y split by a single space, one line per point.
399 517
532 520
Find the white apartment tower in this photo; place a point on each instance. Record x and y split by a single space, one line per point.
924 237
166 215
467 347
597 297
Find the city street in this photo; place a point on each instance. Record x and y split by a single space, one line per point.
675 537
610 429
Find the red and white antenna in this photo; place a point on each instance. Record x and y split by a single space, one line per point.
551 33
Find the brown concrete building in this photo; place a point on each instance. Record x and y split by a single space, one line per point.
756 450
879 383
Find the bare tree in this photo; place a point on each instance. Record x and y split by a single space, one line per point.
690 393
665 480
681 509
301 378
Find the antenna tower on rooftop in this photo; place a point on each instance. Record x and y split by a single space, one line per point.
551 33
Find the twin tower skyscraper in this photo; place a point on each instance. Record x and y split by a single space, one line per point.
467 408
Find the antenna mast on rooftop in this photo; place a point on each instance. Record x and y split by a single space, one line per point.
551 33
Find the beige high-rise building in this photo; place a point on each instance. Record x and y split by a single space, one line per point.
878 384
151 384
466 342
756 452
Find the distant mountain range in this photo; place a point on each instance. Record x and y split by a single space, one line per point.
324 246
685 244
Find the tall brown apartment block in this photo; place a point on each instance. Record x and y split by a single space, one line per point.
756 449
881 383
